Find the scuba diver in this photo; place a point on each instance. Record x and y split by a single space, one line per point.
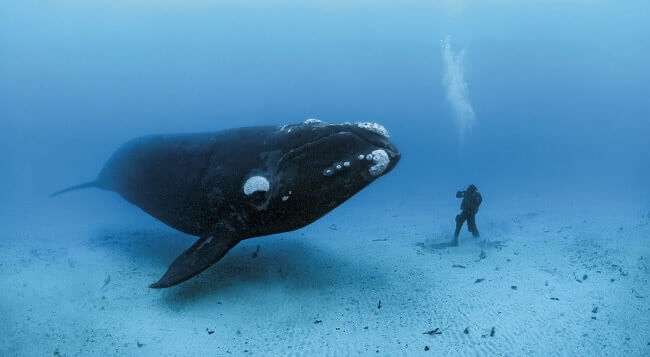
471 201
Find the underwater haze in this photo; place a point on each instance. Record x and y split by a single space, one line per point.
543 105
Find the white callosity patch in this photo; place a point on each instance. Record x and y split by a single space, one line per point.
380 160
284 198
339 166
313 121
256 183
374 127
361 157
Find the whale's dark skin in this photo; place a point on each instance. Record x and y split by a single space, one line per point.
196 183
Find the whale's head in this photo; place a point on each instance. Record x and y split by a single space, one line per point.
321 166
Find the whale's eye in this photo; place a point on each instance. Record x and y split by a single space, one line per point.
256 184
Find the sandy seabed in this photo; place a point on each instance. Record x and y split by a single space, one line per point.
361 281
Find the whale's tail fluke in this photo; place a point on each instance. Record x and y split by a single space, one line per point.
76 187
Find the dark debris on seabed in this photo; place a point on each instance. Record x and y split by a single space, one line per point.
481 256
491 334
435 331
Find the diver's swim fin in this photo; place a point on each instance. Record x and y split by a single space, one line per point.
77 187
201 255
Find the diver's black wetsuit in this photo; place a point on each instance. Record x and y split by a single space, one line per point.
471 201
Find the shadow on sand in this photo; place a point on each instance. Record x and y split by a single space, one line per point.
442 245
432 244
287 260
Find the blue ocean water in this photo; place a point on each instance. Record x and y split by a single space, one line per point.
559 90
538 103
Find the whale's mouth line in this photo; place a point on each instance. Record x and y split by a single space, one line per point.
379 144
370 142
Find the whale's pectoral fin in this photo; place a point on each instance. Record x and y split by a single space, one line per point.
201 255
